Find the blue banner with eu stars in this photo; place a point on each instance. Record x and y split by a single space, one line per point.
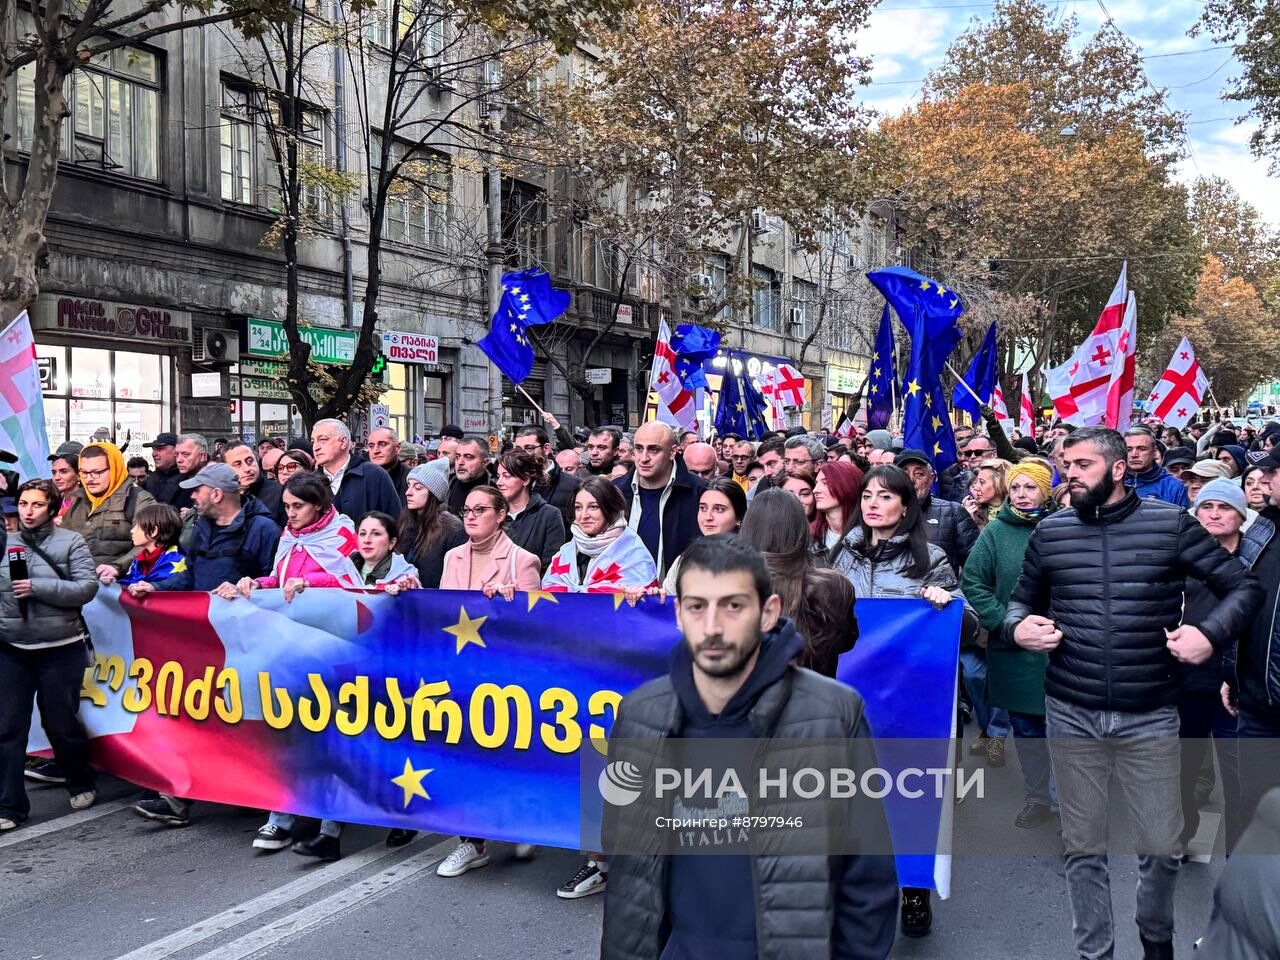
441 710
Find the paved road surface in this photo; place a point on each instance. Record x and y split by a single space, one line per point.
107 885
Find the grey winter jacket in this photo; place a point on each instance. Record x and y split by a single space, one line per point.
877 574
53 609
806 906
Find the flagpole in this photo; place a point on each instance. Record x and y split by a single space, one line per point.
964 384
531 400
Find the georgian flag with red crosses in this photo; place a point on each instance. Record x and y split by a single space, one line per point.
1180 389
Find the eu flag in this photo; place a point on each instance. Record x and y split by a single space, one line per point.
880 385
528 300
693 346
910 293
981 378
741 409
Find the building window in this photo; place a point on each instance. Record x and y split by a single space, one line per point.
251 173
804 305
717 266
766 299
114 102
417 208
104 394
524 224
423 24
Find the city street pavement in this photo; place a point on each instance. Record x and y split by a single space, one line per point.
107 885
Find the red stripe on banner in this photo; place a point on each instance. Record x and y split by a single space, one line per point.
177 754
1111 318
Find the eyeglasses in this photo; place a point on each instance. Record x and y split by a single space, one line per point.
94 474
475 511
791 462
290 467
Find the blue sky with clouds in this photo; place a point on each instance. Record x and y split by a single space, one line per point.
909 37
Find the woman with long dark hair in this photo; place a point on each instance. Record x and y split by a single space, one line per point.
836 492
426 531
602 555
820 601
889 555
721 507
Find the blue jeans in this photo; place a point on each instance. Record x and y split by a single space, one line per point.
973 667
285 821
1142 750
1033 757
1259 758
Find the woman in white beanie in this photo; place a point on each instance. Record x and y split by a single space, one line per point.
1222 510
426 531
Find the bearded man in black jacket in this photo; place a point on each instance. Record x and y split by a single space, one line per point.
1101 592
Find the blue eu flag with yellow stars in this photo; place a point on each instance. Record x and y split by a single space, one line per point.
693 346
981 378
881 383
741 408
930 313
528 300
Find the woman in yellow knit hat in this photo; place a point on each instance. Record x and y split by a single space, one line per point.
1015 677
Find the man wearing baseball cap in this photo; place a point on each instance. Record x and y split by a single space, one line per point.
1200 473
163 481
1254 688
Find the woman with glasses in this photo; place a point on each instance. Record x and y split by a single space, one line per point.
292 463
491 562
43 649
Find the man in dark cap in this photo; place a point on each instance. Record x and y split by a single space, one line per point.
164 479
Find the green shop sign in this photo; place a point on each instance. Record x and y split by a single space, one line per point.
329 346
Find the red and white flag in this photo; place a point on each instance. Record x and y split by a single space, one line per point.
767 384
789 385
675 402
1180 390
1027 409
1079 387
998 404
1119 414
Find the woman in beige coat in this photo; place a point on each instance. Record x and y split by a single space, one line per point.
489 560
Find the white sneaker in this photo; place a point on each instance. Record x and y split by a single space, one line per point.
467 857
6 824
83 801
525 851
590 879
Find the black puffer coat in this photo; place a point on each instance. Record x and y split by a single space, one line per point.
806 906
950 527
1113 581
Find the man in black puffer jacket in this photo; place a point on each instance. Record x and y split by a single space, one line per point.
733 677
1101 592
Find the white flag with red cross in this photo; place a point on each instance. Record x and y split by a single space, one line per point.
675 401
1079 387
998 404
1180 390
1027 409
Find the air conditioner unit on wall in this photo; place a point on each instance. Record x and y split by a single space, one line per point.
759 221
213 345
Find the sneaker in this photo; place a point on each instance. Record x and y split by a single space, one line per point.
995 752
321 846
6 824
271 837
44 771
1032 815
590 879
468 856
917 912
525 851
398 837
164 809
978 744
84 800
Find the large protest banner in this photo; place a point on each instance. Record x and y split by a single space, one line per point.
433 710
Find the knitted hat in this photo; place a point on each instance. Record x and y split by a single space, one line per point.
1037 473
1223 491
434 476
880 439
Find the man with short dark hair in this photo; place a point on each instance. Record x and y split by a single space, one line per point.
558 488
734 678
138 470
471 469
740 458
1111 572
602 450
1146 477
240 457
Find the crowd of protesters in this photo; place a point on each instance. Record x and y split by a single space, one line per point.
1113 586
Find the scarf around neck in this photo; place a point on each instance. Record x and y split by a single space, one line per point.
594 546
330 542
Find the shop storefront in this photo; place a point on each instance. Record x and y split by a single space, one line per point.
107 369
417 386
842 386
